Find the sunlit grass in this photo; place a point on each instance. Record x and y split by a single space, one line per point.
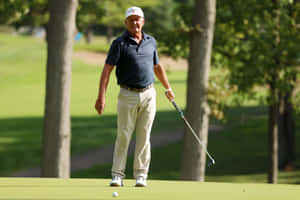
98 44
240 151
22 89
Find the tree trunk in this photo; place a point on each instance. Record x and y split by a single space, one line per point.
287 132
56 132
275 100
274 113
194 156
282 147
287 129
109 34
88 34
289 125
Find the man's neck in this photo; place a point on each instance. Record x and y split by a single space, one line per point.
137 37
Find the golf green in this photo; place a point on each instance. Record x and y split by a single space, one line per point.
85 189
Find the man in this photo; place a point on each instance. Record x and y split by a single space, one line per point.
135 55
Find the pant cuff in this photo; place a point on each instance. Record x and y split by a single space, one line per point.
120 174
141 172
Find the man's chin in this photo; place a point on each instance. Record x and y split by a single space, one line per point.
135 31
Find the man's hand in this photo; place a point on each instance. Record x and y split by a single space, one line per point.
162 76
99 106
100 102
170 94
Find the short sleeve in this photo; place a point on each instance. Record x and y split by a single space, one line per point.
113 54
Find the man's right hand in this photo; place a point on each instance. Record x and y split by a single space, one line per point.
99 106
100 102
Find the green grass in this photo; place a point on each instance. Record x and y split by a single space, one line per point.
240 153
240 150
98 44
22 89
64 189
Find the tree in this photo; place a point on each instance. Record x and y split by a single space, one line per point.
194 156
56 132
89 14
11 11
259 41
114 12
19 13
287 122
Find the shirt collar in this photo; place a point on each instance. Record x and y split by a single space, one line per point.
127 35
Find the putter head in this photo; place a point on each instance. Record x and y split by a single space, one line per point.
211 163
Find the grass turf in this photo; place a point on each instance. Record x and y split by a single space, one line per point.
22 89
240 153
67 189
22 84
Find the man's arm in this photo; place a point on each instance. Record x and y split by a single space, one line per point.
100 102
162 76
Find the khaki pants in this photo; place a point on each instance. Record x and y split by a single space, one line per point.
136 111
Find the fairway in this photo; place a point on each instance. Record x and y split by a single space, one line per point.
69 189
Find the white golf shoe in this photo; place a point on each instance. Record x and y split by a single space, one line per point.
140 181
116 181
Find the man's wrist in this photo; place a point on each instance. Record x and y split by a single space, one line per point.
100 101
169 89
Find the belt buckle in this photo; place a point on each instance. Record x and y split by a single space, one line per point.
137 89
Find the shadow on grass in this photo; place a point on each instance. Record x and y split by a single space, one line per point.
235 154
240 153
239 149
21 138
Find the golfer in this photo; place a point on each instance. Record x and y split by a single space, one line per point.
135 56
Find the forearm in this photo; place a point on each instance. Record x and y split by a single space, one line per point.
104 80
162 76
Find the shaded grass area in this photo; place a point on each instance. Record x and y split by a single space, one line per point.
22 89
225 146
20 139
240 153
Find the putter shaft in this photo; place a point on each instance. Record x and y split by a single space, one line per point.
192 130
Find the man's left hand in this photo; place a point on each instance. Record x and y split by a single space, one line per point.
170 94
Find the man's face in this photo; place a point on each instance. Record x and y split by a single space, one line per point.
134 24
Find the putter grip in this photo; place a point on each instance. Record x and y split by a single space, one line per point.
177 108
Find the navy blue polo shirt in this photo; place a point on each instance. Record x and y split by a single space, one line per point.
134 61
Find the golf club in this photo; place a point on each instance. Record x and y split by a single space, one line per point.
212 161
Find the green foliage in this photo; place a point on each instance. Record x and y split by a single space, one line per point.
255 46
114 10
296 101
218 92
12 10
22 89
245 35
175 41
33 13
159 19
89 12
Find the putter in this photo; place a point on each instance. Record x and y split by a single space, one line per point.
212 161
